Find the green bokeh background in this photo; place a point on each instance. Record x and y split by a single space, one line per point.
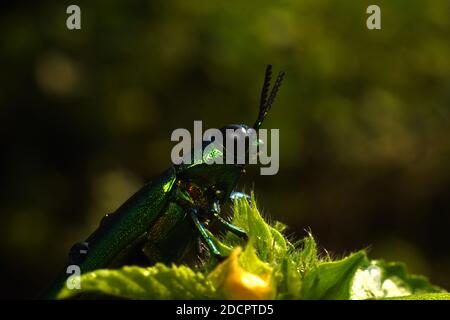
86 118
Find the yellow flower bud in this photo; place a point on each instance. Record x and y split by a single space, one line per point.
239 284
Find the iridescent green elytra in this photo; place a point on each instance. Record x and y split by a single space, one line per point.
163 221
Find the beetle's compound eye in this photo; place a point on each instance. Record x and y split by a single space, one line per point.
239 139
236 131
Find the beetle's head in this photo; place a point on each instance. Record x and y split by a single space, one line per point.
238 146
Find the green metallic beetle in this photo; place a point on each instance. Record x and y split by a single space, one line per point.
164 220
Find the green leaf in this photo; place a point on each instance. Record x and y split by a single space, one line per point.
332 280
269 243
289 280
157 282
396 271
299 259
251 263
424 296
307 256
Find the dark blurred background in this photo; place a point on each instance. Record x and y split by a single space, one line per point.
86 118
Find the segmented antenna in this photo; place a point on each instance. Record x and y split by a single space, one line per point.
266 103
265 88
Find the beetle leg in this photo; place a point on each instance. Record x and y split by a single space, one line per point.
205 236
198 244
215 210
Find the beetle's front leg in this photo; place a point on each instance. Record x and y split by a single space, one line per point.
215 212
235 195
205 236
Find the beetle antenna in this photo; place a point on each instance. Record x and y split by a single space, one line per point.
265 88
274 91
266 102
